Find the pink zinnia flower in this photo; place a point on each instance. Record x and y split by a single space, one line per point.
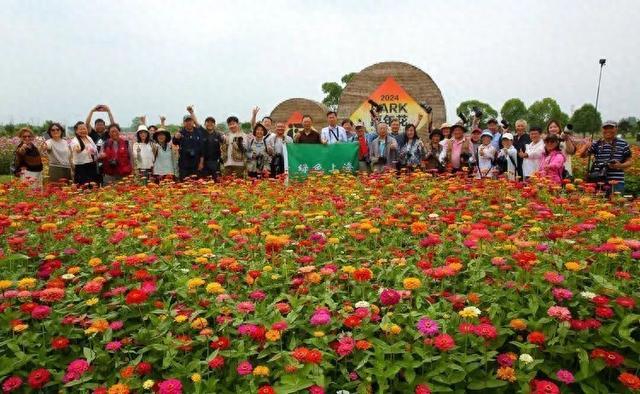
320 316
559 312
389 297
245 307
428 327
113 346
315 389
41 312
565 376
244 368
170 386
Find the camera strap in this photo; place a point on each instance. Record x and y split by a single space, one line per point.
334 134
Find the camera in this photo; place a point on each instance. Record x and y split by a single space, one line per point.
260 162
113 163
505 124
238 142
426 107
465 156
191 153
378 108
477 112
462 117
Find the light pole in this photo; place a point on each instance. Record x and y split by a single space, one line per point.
602 63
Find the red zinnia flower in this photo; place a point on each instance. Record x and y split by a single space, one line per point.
136 296
536 337
216 362
221 343
143 368
444 342
59 343
630 380
266 389
38 378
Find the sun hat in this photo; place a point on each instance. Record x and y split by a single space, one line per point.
142 128
445 125
162 132
507 136
486 134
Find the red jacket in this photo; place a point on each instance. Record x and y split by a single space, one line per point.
117 163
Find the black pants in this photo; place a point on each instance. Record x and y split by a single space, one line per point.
211 170
86 173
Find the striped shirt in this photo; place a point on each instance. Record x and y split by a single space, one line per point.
603 155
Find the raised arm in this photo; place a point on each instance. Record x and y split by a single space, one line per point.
163 119
108 110
254 114
89 116
193 114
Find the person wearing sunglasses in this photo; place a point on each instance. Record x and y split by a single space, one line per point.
58 153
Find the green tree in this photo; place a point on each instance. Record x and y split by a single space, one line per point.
542 111
333 91
246 127
512 110
466 108
135 122
627 125
586 120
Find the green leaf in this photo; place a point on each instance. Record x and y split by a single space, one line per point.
625 330
486 384
89 354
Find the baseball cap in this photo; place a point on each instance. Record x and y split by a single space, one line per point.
610 123
507 136
476 130
486 134
187 117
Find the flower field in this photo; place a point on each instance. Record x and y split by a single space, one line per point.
338 284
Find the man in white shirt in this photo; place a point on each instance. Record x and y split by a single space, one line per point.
275 144
333 133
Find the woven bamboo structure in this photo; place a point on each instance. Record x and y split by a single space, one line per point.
413 80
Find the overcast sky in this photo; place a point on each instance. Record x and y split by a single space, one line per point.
60 58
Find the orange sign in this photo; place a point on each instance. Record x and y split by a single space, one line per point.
394 102
295 119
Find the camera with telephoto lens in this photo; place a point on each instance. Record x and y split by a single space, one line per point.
462 117
260 162
426 107
239 144
505 124
477 112
375 109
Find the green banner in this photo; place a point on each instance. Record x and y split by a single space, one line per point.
300 159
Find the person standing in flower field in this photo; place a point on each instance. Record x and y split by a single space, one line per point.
433 152
413 151
116 156
532 153
364 162
486 154
233 149
266 121
507 157
401 138
611 157
458 149
211 150
333 133
144 153
275 148
308 135
383 151
257 157
347 125
84 155
28 161
166 160
189 143
552 160
59 156
567 146
99 130
520 141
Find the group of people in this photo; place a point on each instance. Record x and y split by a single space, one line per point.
101 155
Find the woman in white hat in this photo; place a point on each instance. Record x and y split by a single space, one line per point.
144 153
486 155
508 157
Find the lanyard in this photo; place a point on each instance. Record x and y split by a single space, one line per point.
334 134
